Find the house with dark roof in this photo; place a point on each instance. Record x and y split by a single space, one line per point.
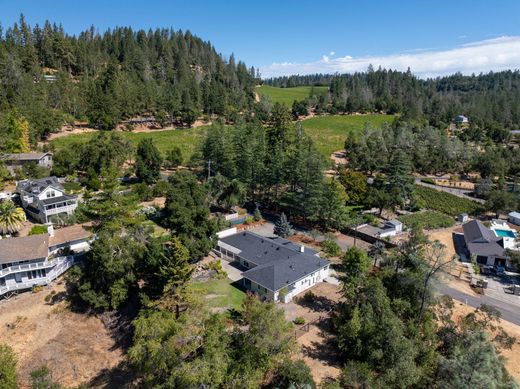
14 161
45 197
35 260
487 246
274 268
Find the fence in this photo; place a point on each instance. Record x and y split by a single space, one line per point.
304 328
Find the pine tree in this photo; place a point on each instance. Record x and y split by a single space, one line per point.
282 227
148 161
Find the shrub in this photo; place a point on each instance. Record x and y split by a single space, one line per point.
309 296
330 248
143 191
249 220
299 321
427 220
428 181
38 230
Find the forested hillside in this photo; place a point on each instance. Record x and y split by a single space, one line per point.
489 100
48 77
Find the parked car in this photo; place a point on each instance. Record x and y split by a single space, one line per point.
499 270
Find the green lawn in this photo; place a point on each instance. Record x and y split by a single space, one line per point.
288 95
219 293
187 139
329 132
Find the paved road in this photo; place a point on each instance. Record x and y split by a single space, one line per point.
510 312
457 192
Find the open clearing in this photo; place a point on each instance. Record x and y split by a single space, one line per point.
329 132
77 348
288 95
187 139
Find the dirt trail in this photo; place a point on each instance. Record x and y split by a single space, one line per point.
75 347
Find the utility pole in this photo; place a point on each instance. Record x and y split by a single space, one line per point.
209 168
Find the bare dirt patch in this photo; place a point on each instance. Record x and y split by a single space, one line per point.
315 341
512 357
339 157
77 348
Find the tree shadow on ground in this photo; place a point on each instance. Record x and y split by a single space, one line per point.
325 349
317 303
119 377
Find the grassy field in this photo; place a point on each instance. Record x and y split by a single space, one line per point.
219 293
288 95
329 132
186 139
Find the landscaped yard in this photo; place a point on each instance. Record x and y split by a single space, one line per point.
288 95
186 139
220 293
329 132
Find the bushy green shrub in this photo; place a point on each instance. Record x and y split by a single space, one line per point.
299 321
38 230
330 248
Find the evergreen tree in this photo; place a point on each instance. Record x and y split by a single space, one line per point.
148 161
282 227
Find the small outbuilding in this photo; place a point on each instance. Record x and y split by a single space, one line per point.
461 119
514 218
463 218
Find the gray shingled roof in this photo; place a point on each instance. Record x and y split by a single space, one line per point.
59 199
24 156
24 249
481 240
38 185
278 263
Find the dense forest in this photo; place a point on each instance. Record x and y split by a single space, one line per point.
490 100
50 78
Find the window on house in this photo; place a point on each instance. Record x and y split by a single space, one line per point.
51 193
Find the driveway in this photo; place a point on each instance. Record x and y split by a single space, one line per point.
510 312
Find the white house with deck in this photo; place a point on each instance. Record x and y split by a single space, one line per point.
42 198
36 260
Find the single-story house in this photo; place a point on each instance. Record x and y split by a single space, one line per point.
488 245
35 260
275 268
14 161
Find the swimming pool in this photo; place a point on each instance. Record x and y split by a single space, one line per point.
505 233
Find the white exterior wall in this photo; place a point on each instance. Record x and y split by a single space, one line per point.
306 283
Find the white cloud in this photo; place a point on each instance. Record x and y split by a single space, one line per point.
493 54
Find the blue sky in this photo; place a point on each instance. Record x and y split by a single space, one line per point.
300 36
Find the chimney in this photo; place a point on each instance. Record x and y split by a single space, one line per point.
302 248
50 229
